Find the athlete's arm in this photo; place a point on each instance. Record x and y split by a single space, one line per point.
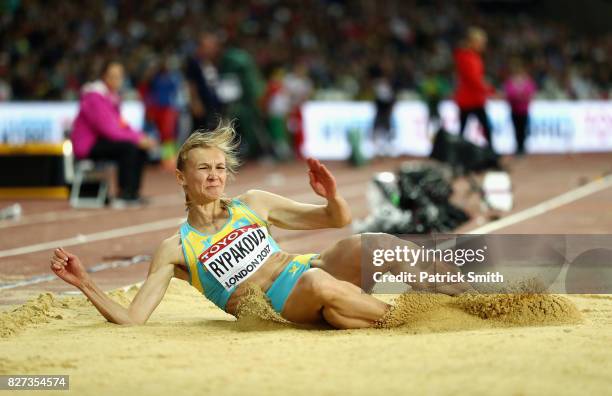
68 267
287 213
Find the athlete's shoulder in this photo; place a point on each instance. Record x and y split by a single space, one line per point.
257 201
253 197
172 240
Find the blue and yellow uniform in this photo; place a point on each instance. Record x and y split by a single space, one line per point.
195 244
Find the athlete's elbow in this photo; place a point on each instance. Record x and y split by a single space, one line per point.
137 321
342 221
127 322
133 320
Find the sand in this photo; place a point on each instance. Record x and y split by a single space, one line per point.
499 344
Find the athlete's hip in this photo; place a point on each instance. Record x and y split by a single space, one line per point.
263 278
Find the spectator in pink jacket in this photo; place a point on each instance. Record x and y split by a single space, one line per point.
99 132
519 89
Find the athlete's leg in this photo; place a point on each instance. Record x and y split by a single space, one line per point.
317 295
343 260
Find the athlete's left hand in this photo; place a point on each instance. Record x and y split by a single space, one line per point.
321 180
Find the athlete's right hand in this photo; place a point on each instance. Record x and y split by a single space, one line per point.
68 267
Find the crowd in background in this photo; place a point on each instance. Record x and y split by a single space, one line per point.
48 51
257 61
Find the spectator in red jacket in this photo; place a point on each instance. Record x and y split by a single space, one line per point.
100 133
472 90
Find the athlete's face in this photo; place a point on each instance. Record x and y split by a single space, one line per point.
204 175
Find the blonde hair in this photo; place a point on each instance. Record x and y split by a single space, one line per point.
476 33
224 138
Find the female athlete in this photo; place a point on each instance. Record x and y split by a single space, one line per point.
225 244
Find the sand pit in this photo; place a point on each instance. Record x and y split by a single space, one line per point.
528 344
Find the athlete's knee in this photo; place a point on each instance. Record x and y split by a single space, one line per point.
352 243
379 240
332 317
321 285
330 291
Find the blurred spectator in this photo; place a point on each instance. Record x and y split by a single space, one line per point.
5 91
5 87
519 89
299 87
276 104
472 90
555 87
160 95
384 100
581 87
99 133
241 89
202 75
339 39
434 87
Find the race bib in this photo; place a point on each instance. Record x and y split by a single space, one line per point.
235 257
